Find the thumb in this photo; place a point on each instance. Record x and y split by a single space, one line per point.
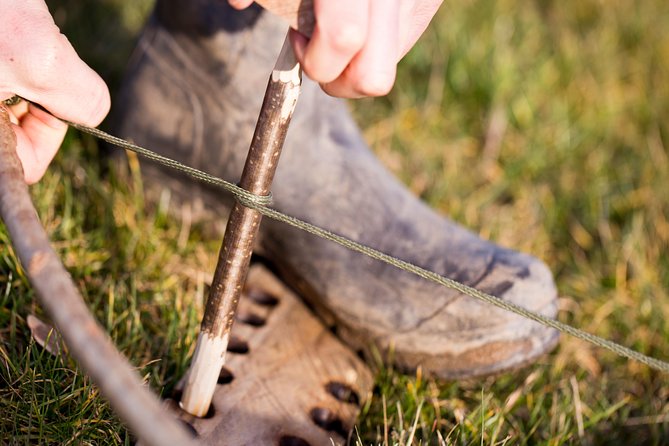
38 137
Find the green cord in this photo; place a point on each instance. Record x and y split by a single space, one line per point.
260 204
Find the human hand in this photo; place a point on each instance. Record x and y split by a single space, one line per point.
356 44
38 63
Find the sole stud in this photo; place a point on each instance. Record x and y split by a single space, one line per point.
328 420
225 377
262 297
237 345
290 440
343 392
251 319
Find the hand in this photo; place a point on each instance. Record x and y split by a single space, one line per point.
38 63
357 44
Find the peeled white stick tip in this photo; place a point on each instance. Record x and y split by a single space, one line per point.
206 365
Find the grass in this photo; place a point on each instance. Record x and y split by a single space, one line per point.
542 126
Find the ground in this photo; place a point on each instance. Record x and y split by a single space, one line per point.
541 125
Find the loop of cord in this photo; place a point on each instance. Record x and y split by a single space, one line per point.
255 202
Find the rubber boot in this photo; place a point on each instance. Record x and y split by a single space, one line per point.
193 91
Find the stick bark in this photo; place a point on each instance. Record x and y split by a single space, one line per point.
86 340
298 13
233 263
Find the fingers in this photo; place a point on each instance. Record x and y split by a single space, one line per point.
353 51
240 4
420 14
38 137
340 33
64 84
372 70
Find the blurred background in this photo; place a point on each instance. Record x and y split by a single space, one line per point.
541 125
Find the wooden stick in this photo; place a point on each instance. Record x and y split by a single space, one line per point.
86 340
233 263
